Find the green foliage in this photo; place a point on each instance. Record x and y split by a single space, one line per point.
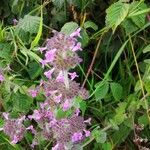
21 102
101 90
118 82
90 24
117 90
28 24
132 24
69 27
100 136
116 13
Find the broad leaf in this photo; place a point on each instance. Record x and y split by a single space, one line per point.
138 20
101 90
28 24
90 24
116 13
69 27
21 102
116 90
100 136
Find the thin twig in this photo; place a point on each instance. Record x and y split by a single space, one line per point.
93 60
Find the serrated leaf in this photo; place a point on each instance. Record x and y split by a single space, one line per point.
101 90
21 102
139 20
116 13
100 136
90 24
129 26
69 27
6 51
116 90
28 24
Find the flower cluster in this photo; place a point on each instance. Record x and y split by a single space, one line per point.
60 89
14 128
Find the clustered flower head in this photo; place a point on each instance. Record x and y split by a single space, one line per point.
14 128
60 90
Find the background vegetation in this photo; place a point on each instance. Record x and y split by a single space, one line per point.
115 67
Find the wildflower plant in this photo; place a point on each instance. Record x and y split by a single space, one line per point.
60 91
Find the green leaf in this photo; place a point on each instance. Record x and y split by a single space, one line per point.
6 51
107 146
116 13
119 136
100 136
133 23
34 70
90 24
21 102
58 3
146 49
137 86
139 20
37 38
17 6
69 27
101 90
28 24
80 103
117 90
85 38
143 120
129 26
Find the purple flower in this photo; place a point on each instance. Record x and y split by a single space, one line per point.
36 115
48 74
57 99
73 75
50 55
43 62
1 77
32 129
53 122
76 33
33 92
76 137
60 77
41 49
15 140
6 115
15 129
87 133
15 21
56 147
88 121
77 47
66 105
77 112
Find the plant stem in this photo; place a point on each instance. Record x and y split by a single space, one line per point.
139 75
93 60
65 72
